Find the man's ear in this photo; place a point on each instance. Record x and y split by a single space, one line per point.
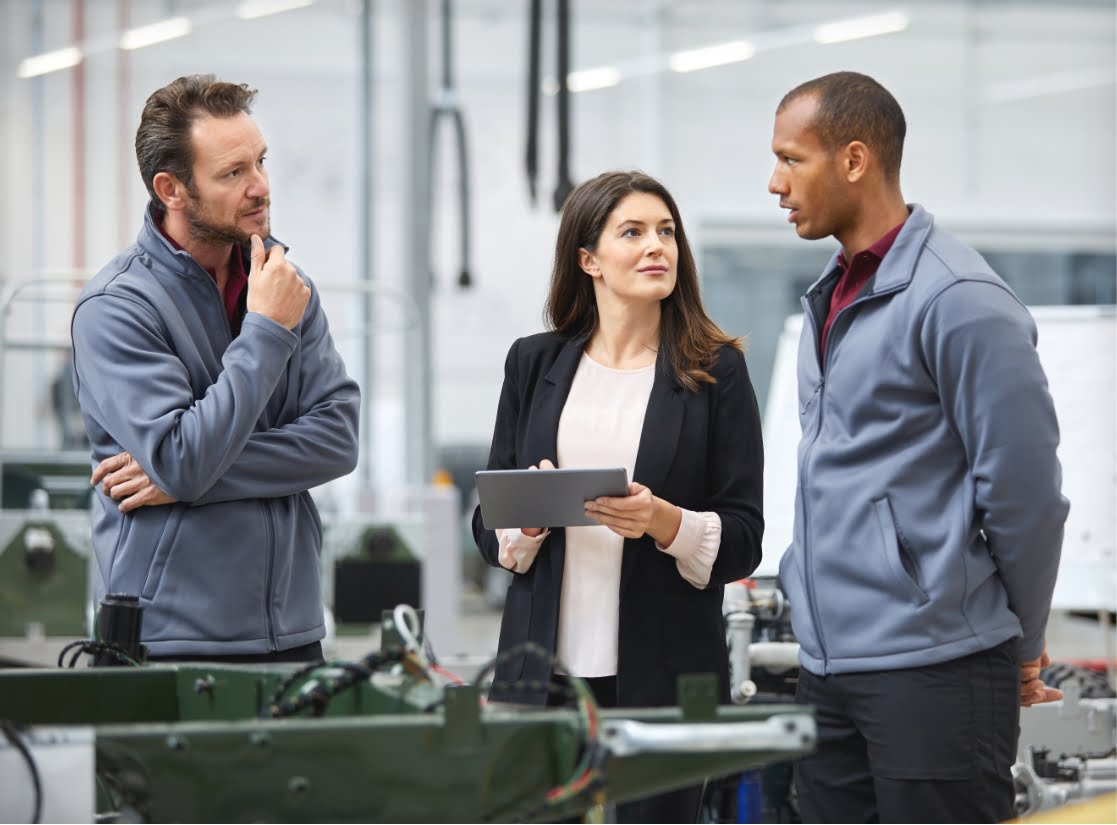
588 263
856 161
170 190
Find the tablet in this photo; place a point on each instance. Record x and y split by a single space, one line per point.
545 498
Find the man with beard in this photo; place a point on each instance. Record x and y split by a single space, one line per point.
213 397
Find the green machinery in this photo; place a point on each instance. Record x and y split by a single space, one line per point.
391 738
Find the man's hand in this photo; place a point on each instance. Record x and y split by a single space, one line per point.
274 286
1032 690
124 480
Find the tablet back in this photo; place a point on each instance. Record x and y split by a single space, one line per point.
545 498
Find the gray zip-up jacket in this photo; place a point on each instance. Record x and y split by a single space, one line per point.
237 429
928 514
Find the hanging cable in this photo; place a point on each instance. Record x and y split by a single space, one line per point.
448 105
563 186
535 26
12 734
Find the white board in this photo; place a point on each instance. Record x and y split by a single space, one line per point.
1078 350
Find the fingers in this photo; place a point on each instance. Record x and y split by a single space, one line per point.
257 255
127 488
109 465
546 464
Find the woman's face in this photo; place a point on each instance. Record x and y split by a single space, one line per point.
636 256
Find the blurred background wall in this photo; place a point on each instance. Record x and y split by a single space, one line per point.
1011 112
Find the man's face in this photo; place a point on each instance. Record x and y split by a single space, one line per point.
230 195
808 176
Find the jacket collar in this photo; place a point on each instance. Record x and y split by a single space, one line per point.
898 267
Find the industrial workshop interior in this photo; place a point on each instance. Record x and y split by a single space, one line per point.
283 562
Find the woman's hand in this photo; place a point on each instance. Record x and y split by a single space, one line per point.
532 532
637 514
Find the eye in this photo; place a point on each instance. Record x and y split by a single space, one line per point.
631 232
667 232
260 162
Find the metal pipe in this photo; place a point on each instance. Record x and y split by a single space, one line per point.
365 229
416 228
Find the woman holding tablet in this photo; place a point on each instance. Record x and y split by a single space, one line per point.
632 374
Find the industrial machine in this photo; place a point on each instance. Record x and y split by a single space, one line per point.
393 737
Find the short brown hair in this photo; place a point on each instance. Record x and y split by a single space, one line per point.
688 338
851 107
163 137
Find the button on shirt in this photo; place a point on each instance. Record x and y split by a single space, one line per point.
855 274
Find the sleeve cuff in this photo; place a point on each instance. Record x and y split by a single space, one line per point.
696 546
517 551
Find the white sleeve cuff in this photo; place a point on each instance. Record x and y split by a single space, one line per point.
518 551
696 545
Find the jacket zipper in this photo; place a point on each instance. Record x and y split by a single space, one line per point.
808 571
269 532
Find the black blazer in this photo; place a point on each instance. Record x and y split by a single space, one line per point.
699 450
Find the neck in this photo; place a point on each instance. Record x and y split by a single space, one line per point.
212 256
625 339
882 212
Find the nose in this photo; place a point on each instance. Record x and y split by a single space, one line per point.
258 186
776 184
655 244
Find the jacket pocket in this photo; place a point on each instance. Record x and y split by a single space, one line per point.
893 552
162 554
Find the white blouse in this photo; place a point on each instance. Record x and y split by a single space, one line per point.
600 427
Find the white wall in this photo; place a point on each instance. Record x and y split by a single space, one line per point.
974 152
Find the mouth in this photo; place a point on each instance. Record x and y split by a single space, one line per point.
792 212
653 270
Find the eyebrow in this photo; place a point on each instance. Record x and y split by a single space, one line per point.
641 223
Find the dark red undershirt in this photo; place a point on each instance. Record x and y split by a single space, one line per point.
855 274
234 285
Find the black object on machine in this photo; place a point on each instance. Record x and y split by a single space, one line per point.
119 629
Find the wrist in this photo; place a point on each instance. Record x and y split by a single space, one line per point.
666 520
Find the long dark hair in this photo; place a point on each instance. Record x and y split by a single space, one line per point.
688 338
163 142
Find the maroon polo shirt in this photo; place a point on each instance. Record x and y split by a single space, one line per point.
855 274
234 285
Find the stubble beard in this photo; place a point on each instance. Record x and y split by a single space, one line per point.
206 231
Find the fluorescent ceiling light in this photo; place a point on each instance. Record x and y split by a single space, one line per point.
251 9
159 32
49 62
858 27
710 56
588 79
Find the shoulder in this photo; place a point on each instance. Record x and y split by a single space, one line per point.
543 346
126 278
730 363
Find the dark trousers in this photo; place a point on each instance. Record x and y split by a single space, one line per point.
305 654
673 806
928 744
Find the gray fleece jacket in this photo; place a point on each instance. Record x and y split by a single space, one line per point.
237 429
928 514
